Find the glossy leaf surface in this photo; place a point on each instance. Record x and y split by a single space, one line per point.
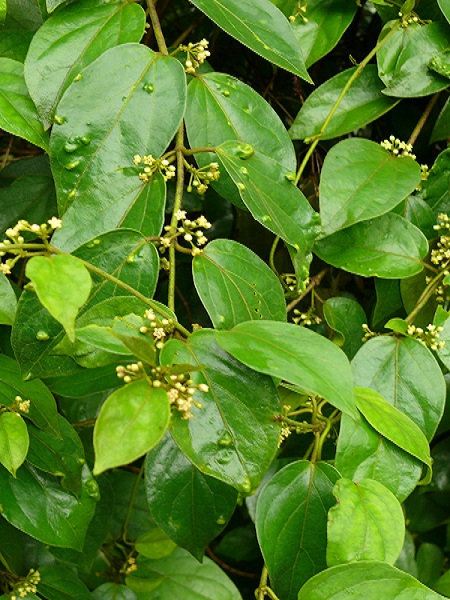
18 114
388 247
372 182
235 285
367 523
62 284
70 40
436 191
8 302
239 408
131 422
59 582
259 25
180 575
172 483
298 496
100 129
295 354
362 104
14 441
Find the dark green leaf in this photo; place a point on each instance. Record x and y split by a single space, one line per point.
235 285
390 51
389 300
18 114
70 40
367 580
362 104
372 181
393 424
261 26
70 516
8 302
173 483
325 23
113 591
59 582
296 354
100 127
239 408
129 491
14 44
291 523
419 213
180 575
346 317
367 523
406 561
436 188
14 441
441 129
388 246
132 420
430 560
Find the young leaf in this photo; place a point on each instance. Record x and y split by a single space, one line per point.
101 127
18 114
62 284
235 285
131 422
368 580
372 182
393 424
14 441
362 104
8 301
239 408
296 354
262 27
388 246
172 483
291 523
367 523
70 40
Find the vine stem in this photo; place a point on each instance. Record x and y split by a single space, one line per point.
157 27
263 589
314 282
423 119
131 505
424 297
362 65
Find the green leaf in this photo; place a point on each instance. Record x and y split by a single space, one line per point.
59 582
15 44
389 301
407 375
100 127
444 5
14 441
430 562
419 213
42 412
272 198
8 301
62 284
326 22
235 285
238 408
441 129
113 591
362 104
60 456
70 516
372 181
346 317
410 76
122 253
18 114
132 420
368 580
146 214
233 111
70 40
367 523
180 575
259 25
296 354
155 544
393 424
172 483
291 523
435 189
363 453
388 246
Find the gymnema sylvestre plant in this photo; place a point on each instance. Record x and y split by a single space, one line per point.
224 299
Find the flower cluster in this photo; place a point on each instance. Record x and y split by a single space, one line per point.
13 245
310 317
397 147
20 405
201 178
188 230
196 54
153 165
408 19
441 256
159 329
429 336
299 12
368 333
26 586
129 566
289 281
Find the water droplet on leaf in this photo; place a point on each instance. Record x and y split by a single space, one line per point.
85 139
244 170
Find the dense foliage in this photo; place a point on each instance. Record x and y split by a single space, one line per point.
224 301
